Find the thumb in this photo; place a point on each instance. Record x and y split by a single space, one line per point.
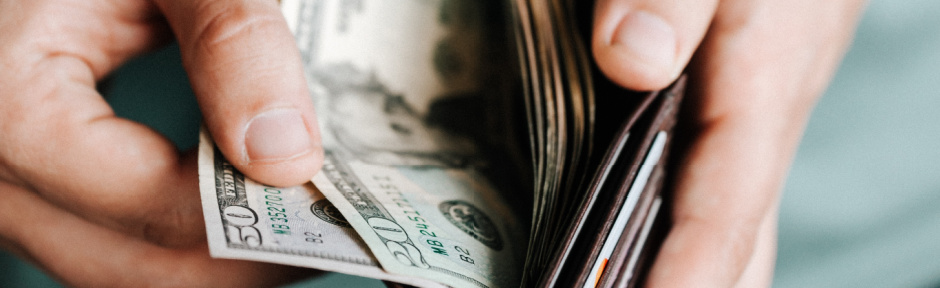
247 74
645 44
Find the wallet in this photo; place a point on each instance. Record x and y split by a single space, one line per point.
624 220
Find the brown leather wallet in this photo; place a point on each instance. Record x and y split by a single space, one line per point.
623 220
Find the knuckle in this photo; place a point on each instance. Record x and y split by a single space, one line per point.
6 174
231 26
174 228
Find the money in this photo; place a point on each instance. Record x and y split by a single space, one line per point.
293 226
387 79
428 178
441 224
412 204
400 83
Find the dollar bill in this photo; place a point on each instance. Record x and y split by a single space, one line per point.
390 80
447 225
293 225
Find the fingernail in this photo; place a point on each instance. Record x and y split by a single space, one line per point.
277 135
647 37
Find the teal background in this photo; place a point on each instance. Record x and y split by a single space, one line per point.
861 207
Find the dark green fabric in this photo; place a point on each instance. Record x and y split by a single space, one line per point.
154 90
15 273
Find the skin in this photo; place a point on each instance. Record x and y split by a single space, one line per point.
757 68
101 201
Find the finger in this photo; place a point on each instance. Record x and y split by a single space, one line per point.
759 271
758 74
247 75
86 255
63 141
645 44
121 29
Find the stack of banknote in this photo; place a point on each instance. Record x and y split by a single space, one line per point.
462 149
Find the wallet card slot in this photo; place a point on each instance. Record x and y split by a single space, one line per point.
634 254
660 116
632 210
601 218
608 166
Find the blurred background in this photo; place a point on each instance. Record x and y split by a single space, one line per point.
861 207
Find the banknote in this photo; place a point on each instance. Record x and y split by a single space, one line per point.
448 225
393 82
404 82
286 225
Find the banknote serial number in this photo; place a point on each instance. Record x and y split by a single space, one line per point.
276 211
387 185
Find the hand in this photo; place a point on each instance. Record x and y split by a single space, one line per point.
758 68
102 201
